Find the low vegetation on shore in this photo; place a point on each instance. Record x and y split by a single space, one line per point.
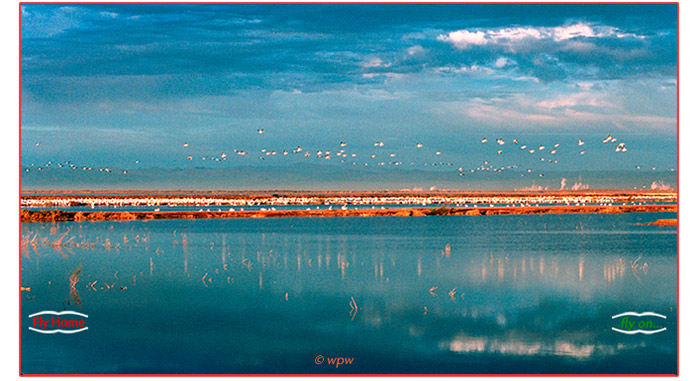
60 215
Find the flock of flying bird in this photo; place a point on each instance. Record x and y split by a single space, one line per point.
344 156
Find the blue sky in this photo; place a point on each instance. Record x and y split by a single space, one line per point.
109 85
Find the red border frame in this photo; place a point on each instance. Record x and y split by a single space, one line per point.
359 374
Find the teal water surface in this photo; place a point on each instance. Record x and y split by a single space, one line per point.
504 294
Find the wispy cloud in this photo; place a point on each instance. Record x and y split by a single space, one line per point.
464 39
350 71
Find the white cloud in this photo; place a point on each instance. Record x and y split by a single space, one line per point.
375 62
515 34
473 69
572 31
416 50
502 62
464 39
576 99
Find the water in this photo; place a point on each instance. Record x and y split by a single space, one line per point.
441 294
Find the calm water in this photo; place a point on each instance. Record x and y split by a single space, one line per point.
442 294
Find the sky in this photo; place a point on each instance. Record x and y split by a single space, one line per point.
124 87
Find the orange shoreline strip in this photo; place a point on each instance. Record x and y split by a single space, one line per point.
60 215
663 222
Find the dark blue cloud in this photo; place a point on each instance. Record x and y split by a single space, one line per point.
320 72
279 40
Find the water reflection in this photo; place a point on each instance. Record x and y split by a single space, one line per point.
530 288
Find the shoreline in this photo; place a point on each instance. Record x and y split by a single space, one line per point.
416 199
61 215
51 193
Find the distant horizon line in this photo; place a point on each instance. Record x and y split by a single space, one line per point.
311 191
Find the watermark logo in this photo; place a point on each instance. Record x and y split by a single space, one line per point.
334 361
50 322
631 323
